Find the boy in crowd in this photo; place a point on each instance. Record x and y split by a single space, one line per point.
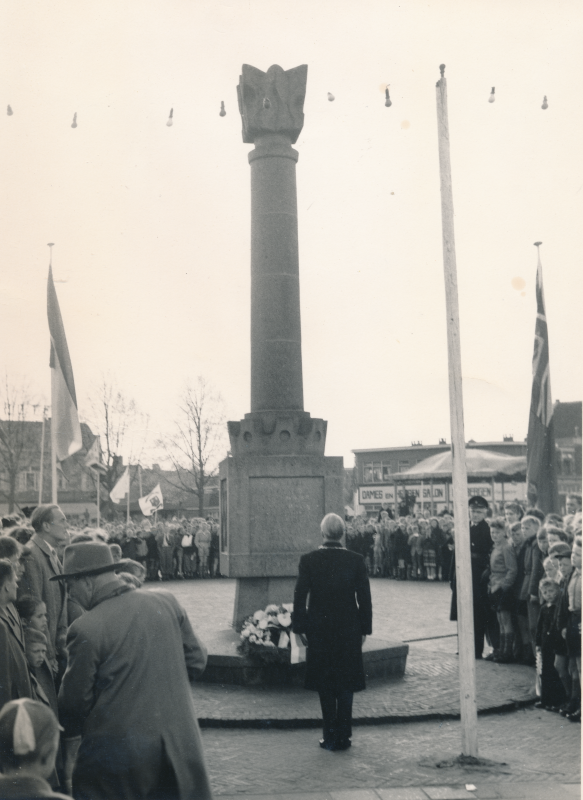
552 694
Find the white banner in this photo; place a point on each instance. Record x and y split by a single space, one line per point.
121 488
152 502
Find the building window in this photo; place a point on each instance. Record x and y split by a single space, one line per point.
403 465
379 472
566 462
62 482
31 480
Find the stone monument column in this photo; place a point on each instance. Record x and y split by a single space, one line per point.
276 485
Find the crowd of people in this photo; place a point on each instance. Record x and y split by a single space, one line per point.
526 584
60 665
174 549
409 548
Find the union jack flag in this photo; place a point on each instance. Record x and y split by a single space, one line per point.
540 470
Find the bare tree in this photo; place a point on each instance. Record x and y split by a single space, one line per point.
198 440
19 437
123 429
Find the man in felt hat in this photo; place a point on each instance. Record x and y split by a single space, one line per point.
50 532
126 700
480 548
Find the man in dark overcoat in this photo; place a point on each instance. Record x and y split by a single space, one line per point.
125 701
50 532
333 612
480 548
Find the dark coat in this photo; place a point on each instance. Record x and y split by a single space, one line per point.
27 787
127 691
480 547
14 675
528 551
40 566
335 618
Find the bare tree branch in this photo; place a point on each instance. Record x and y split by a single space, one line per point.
198 441
18 445
122 426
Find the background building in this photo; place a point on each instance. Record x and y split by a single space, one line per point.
21 477
375 469
567 423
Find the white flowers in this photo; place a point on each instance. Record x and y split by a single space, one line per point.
270 628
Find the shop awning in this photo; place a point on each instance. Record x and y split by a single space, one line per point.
480 464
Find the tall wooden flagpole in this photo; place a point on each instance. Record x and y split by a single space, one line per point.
467 664
41 476
129 487
54 484
98 498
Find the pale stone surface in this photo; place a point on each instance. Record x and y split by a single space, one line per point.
284 92
274 506
277 485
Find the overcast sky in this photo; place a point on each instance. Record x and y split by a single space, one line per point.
151 223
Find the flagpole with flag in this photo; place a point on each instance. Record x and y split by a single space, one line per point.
65 428
121 488
152 502
541 475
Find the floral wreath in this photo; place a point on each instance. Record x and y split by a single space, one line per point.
266 635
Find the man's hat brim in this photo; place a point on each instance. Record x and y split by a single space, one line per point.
117 566
477 501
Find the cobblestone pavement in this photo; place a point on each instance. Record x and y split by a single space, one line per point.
401 609
528 745
530 749
411 610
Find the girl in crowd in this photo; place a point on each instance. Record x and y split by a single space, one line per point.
415 542
33 614
430 547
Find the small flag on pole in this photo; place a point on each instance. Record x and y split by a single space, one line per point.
65 417
121 488
152 502
93 457
541 477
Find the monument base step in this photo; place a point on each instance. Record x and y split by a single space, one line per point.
381 659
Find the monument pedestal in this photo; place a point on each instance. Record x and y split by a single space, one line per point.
272 504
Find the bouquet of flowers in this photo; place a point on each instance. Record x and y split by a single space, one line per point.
265 635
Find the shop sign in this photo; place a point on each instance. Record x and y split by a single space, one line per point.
368 495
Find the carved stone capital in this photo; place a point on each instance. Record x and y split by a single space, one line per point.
281 432
272 101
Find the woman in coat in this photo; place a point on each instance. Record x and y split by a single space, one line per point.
333 611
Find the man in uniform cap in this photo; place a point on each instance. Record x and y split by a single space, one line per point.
480 548
126 700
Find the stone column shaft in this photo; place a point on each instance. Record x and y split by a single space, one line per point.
276 354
